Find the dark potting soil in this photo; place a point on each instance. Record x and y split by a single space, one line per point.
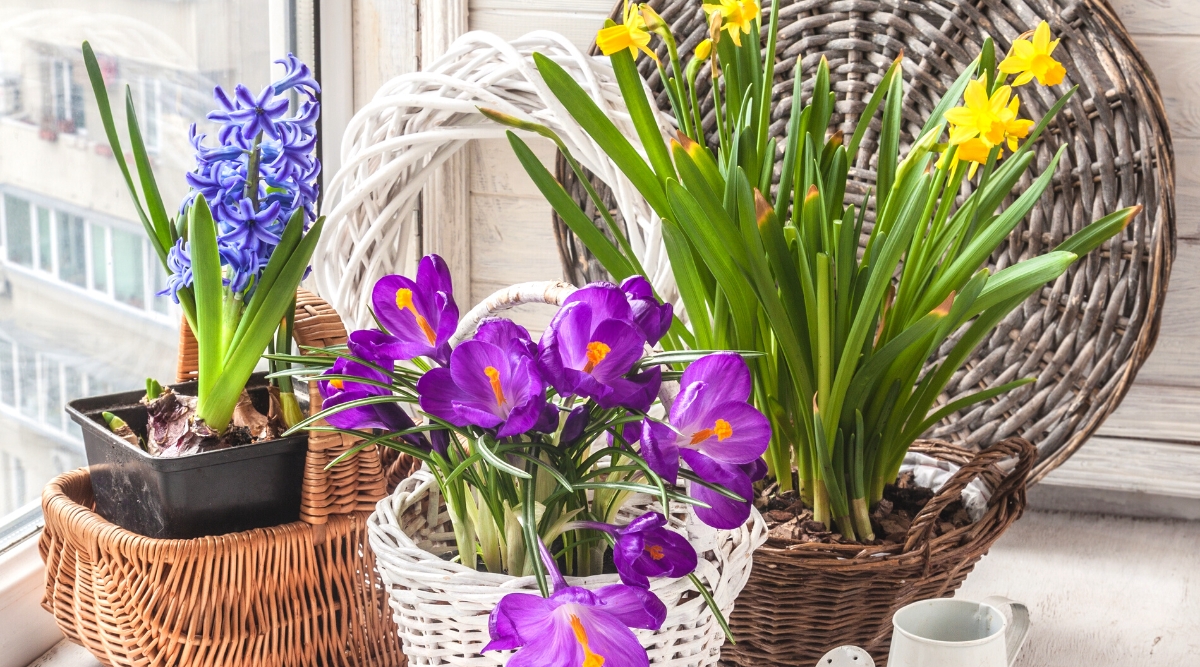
790 522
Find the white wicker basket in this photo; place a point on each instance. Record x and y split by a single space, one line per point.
442 607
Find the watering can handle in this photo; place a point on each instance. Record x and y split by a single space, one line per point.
1018 624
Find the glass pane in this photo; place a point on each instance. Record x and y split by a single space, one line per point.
45 259
158 283
127 258
51 394
170 54
99 257
8 395
19 238
72 262
27 382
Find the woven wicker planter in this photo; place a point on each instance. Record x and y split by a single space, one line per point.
803 600
304 593
442 607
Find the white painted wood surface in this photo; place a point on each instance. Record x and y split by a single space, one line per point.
1102 591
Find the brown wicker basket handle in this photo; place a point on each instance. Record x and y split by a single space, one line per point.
922 527
353 485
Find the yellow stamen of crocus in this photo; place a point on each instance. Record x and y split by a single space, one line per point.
722 429
630 34
737 16
596 352
337 384
1029 59
494 378
656 552
404 301
590 659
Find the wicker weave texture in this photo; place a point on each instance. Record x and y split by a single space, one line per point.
442 607
803 600
1084 336
304 593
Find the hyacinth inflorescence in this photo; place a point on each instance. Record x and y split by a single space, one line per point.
262 171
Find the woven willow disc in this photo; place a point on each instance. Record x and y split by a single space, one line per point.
1085 335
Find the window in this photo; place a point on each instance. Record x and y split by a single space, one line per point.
128 258
19 236
69 240
45 240
65 97
72 249
148 116
98 240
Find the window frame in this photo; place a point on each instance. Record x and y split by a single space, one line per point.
28 631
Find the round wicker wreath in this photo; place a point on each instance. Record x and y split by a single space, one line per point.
1085 335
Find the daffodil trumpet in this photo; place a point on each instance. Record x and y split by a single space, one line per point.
764 246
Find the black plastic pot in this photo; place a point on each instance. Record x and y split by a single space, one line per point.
218 492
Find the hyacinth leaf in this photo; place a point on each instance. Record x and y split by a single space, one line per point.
208 286
1096 233
288 242
640 113
162 239
605 251
110 129
598 125
247 350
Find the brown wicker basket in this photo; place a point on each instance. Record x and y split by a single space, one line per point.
1084 336
304 593
804 599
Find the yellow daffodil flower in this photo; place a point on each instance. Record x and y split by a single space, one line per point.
630 34
1029 59
982 116
1015 128
703 50
737 16
973 150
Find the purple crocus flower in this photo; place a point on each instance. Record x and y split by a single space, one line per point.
591 345
651 316
645 548
485 386
387 416
723 512
575 627
258 114
421 313
710 416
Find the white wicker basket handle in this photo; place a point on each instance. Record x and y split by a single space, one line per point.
551 292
